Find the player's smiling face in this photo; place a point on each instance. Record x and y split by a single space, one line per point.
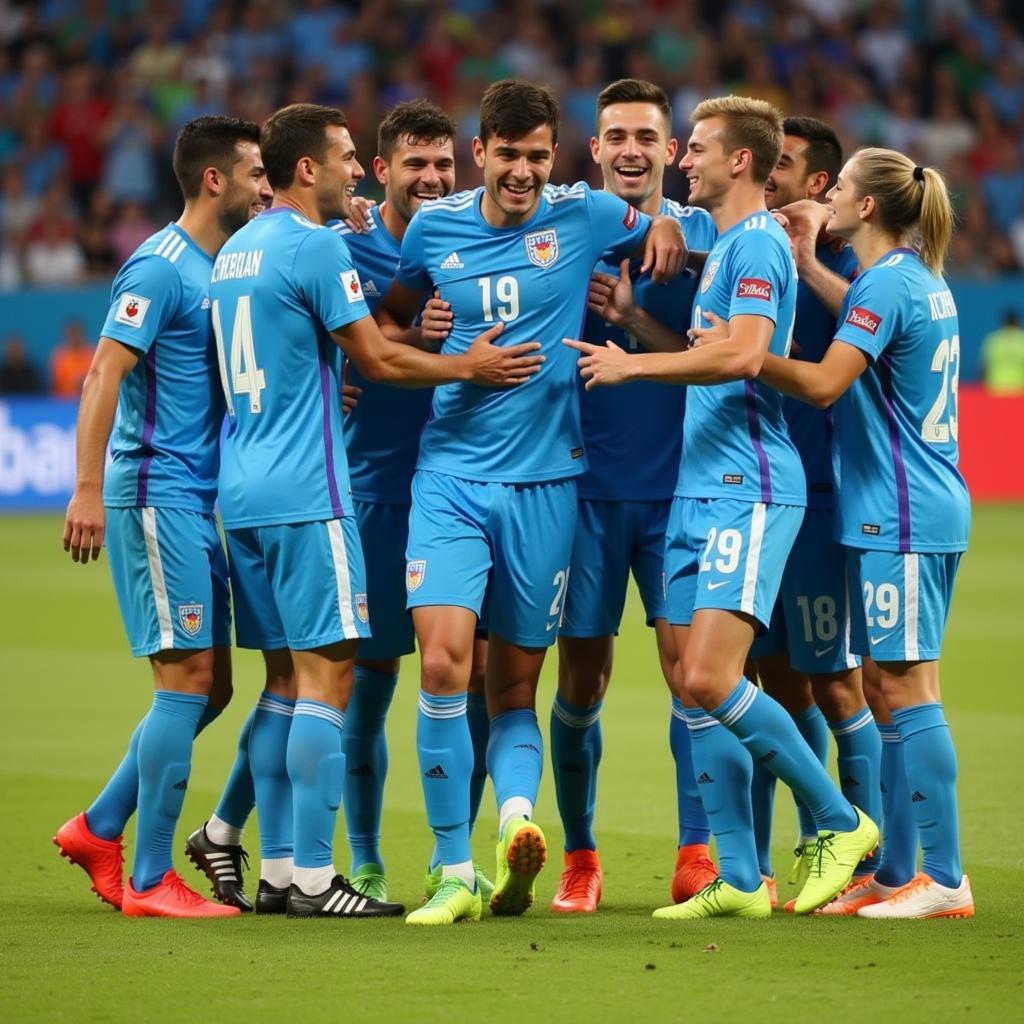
789 182
418 172
845 208
515 173
633 148
248 191
706 164
337 176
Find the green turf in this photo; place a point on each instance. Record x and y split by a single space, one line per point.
73 695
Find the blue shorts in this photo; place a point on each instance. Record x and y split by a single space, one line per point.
508 543
613 537
728 554
171 579
383 531
811 620
298 585
904 603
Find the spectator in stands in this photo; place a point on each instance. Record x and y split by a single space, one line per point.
17 374
70 362
77 123
1002 357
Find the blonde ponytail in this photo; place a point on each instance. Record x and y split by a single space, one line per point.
936 220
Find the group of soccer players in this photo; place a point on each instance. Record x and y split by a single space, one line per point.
479 492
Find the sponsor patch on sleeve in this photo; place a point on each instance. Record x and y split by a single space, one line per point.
864 319
131 310
754 288
630 219
350 282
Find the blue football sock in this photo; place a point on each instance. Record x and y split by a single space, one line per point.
268 760
694 827
110 811
930 760
812 726
575 756
723 769
860 755
767 731
479 733
239 796
165 762
762 806
316 767
515 755
445 751
366 762
898 860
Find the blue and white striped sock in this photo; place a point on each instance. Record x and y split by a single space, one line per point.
445 751
575 756
860 757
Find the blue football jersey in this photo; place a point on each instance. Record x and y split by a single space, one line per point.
896 427
165 441
633 433
811 429
534 278
735 441
382 433
279 286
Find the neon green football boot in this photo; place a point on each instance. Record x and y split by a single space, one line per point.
719 899
451 903
836 856
433 882
370 881
521 854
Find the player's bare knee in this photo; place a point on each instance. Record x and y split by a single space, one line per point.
839 698
442 672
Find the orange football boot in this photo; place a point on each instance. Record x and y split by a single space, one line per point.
694 870
579 890
101 859
171 897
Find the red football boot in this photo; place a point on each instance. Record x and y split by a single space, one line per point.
101 859
694 870
579 890
171 897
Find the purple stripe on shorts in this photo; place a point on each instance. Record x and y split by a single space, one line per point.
148 426
899 467
325 396
754 424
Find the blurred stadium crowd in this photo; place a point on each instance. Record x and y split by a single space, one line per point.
92 93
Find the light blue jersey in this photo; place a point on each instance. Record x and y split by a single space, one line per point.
279 286
809 428
382 433
170 407
534 278
735 441
633 433
896 427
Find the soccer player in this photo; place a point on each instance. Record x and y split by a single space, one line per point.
155 366
494 496
738 506
804 660
633 439
415 163
903 511
283 293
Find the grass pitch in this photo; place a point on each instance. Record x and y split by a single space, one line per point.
73 695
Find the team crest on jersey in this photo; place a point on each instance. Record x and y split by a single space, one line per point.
542 248
191 618
131 310
362 609
709 275
414 573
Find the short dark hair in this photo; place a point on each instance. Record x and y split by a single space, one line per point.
635 90
209 142
293 132
512 108
416 120
824 152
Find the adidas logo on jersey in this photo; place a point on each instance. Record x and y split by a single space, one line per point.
181 785
918 797
370 288
703 779
452 262
437 772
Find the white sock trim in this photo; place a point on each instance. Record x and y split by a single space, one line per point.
223 833
277 871
463 871
513 807
314 881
